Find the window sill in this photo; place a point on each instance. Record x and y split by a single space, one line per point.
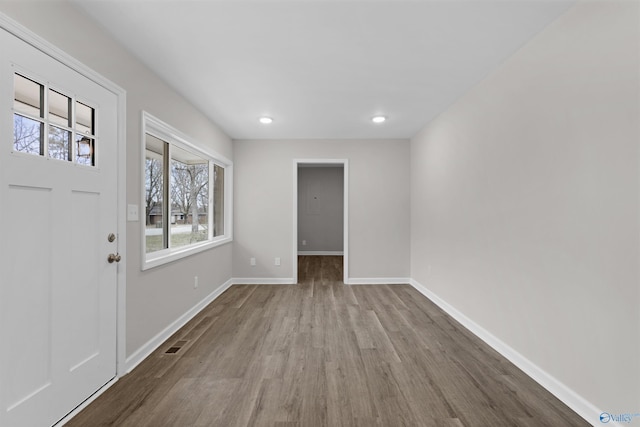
156 260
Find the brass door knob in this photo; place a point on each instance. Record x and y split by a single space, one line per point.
114 257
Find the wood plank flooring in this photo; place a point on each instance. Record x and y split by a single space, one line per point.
325 354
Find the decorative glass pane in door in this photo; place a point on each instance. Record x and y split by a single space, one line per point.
28 117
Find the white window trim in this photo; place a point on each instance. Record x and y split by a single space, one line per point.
156 127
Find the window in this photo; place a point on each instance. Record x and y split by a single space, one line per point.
46 121
187 189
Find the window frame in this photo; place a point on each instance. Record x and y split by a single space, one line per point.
165 132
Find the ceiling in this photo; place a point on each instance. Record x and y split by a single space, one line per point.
322 69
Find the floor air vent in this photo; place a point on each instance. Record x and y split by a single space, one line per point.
176 348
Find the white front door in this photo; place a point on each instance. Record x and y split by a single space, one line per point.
58 165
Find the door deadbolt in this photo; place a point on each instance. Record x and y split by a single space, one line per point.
111 237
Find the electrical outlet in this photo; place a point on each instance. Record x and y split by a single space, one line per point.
195 282
304 243
252 262
277 261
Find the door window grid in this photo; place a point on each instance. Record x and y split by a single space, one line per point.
46 122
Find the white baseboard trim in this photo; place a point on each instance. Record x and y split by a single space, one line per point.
378 281
144 351
321 253
573 400
263 281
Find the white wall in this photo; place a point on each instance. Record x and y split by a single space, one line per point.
157 297
320 209
378 205
524 213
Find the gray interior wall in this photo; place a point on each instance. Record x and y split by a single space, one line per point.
320 209
156 297
524 209
378 205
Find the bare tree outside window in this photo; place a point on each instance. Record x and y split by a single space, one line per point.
27 135
190 194
59 147
153 186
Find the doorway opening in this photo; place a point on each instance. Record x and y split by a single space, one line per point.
320 217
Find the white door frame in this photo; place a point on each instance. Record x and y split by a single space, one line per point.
345 233
26 35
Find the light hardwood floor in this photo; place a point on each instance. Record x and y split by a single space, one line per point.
325 354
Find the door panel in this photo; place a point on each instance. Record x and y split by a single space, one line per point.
57 207
31 300
84 325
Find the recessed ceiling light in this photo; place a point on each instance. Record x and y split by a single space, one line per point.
378 119
266 120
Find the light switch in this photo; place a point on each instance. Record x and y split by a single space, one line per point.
132 213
